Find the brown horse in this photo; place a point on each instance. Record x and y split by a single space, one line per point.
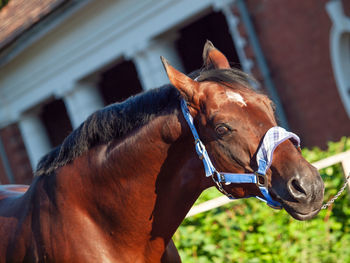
119 186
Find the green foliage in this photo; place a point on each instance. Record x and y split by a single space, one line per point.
249 231
3 3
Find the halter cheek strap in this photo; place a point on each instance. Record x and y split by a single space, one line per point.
273 137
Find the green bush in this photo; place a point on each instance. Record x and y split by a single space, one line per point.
249 231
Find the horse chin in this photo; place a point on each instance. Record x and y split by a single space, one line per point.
300 213
301 216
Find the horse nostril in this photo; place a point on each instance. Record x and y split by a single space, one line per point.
297 186
296 189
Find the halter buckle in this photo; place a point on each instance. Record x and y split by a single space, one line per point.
219 184
199 148
222 178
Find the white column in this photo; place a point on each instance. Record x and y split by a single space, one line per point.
34 136
148 64
81 102
340 50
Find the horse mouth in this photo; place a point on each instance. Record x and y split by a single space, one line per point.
301 216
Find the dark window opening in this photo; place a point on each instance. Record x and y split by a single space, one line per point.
119 82
3 3
193 37
56 121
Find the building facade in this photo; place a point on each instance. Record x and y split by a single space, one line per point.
65 59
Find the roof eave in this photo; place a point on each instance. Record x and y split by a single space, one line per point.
16 45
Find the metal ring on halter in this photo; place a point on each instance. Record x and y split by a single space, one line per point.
261 180
199 148
215 180
222 178
219 185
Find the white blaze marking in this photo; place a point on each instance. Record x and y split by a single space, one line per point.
236 97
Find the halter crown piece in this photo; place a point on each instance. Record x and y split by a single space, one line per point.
273 137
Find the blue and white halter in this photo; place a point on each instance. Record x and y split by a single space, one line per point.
273 137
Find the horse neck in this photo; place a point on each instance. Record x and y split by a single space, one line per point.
146 182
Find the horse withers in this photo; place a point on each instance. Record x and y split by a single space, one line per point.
120 184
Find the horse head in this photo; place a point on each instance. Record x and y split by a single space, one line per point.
232 120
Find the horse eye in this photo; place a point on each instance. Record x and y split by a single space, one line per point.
221 130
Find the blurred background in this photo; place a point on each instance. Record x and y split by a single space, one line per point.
60 60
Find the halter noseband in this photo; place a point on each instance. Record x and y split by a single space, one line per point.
273 137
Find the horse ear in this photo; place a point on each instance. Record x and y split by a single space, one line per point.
213 58
187 86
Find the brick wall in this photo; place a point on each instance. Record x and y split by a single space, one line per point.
294 36
17 156
3 177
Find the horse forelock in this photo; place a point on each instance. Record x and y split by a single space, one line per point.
119 119
228 77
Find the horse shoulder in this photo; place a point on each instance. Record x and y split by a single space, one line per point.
14 223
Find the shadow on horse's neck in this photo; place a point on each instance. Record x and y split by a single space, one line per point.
178 185
141 188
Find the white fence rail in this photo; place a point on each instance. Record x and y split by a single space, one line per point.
343 158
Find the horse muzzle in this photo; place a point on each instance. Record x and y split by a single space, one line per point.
304 194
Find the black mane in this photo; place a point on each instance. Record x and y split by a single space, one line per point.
111 122
119 119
